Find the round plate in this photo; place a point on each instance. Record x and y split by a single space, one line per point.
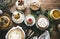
29 16
20 20
41 17
16 33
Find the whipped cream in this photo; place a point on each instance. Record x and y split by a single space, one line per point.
43 22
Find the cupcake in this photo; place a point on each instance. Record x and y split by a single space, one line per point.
34 5
20 5
15 33
29 20
18 17
55 14
42 22
5 22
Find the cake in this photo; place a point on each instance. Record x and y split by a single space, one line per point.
17 17
55 14
15 33
20 5
5 22
42 22
29 20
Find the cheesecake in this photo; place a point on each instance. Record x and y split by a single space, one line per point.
29 20
42 22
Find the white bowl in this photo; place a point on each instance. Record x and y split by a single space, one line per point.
51 14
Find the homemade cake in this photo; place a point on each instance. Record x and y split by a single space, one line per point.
34 5
29 20
42 22
20 5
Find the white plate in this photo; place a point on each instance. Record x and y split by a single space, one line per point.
29 16
20 20
13 29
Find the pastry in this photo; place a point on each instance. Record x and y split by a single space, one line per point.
7 2
17 17
20 5
29 20
42 22
5 22
34 6
15 33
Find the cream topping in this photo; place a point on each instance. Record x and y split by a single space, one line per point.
42 22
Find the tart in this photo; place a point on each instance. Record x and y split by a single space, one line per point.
29 20
15 33
55 14
34 6
5 22
20 5
42 22
17 17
